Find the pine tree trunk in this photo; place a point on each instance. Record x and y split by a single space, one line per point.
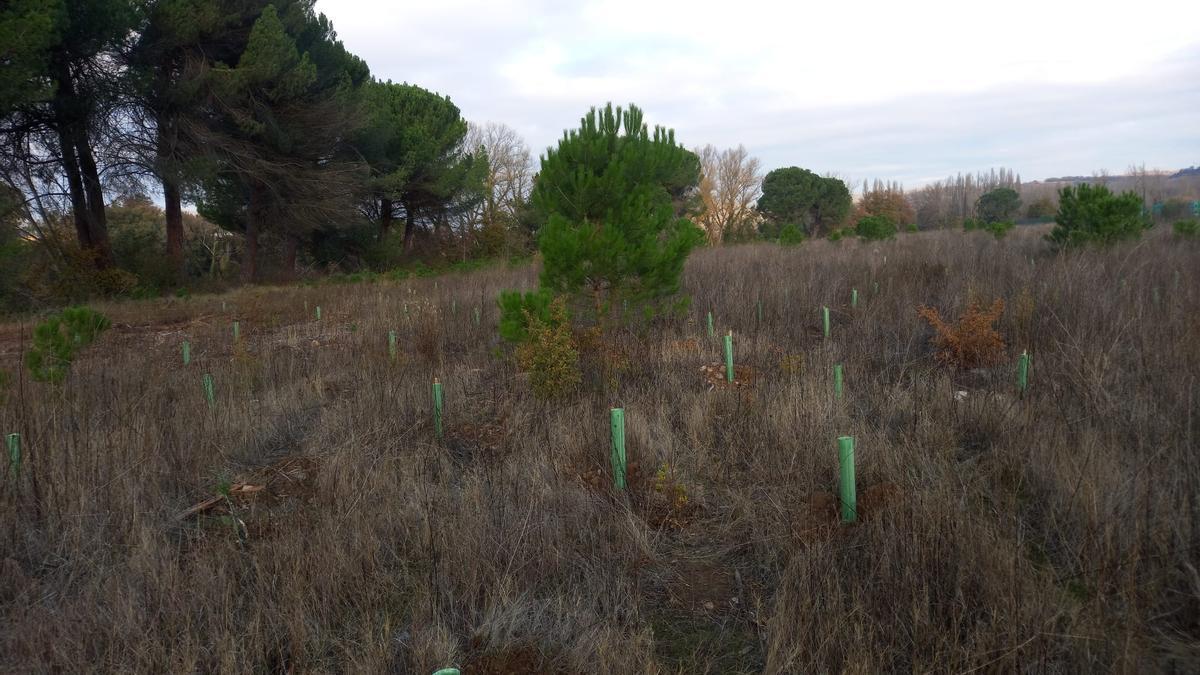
385 217
250 259
174 213
290 245
97 219
410 229
79 211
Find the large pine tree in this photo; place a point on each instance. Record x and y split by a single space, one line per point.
612 195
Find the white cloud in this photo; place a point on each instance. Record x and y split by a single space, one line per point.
915 89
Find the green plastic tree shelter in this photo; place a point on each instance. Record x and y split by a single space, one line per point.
617 421
318 312
237 331
729 357
392 345
854 297
1023 372
846 479
209 394
437 408
825 320
710 325
187 353
14 456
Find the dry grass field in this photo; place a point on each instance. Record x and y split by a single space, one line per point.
310 522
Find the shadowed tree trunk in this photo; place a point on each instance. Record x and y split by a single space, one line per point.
410 228
290 246
385 217
174 213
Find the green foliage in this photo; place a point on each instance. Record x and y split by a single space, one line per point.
795 195
998 204
1187 228
875 228
837 234
516 311
58 339
549 352
790 235
912 227
1093 214
997 228
612 193
413 144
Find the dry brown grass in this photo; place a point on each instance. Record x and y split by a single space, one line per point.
1052 533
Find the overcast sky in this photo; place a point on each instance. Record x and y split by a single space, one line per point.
912 91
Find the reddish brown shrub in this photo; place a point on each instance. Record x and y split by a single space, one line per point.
972 342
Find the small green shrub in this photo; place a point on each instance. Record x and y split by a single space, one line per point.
58 339
790 235
516 310
1093 214
836 235
998 228
875 228
912 227
550 353
1187 228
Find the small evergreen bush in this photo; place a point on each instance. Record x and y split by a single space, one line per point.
875 228
1187 228
549 352
59 338
790 235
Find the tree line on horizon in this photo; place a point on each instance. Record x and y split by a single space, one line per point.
292 154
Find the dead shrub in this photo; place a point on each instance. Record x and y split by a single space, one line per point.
972 342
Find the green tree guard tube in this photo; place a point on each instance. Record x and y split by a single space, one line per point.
760 311
825 320
187 353
854 297
846 479
318 312
437 408
1023 372
392 345
618 447
710 325
477 315
729 357
209 394
837 381
237 331
14 456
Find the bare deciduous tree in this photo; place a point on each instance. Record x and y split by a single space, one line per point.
730 184
510 171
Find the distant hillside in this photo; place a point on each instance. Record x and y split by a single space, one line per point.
1182 173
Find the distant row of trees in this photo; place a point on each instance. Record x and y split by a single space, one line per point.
255 114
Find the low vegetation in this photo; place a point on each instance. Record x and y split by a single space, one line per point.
311 521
